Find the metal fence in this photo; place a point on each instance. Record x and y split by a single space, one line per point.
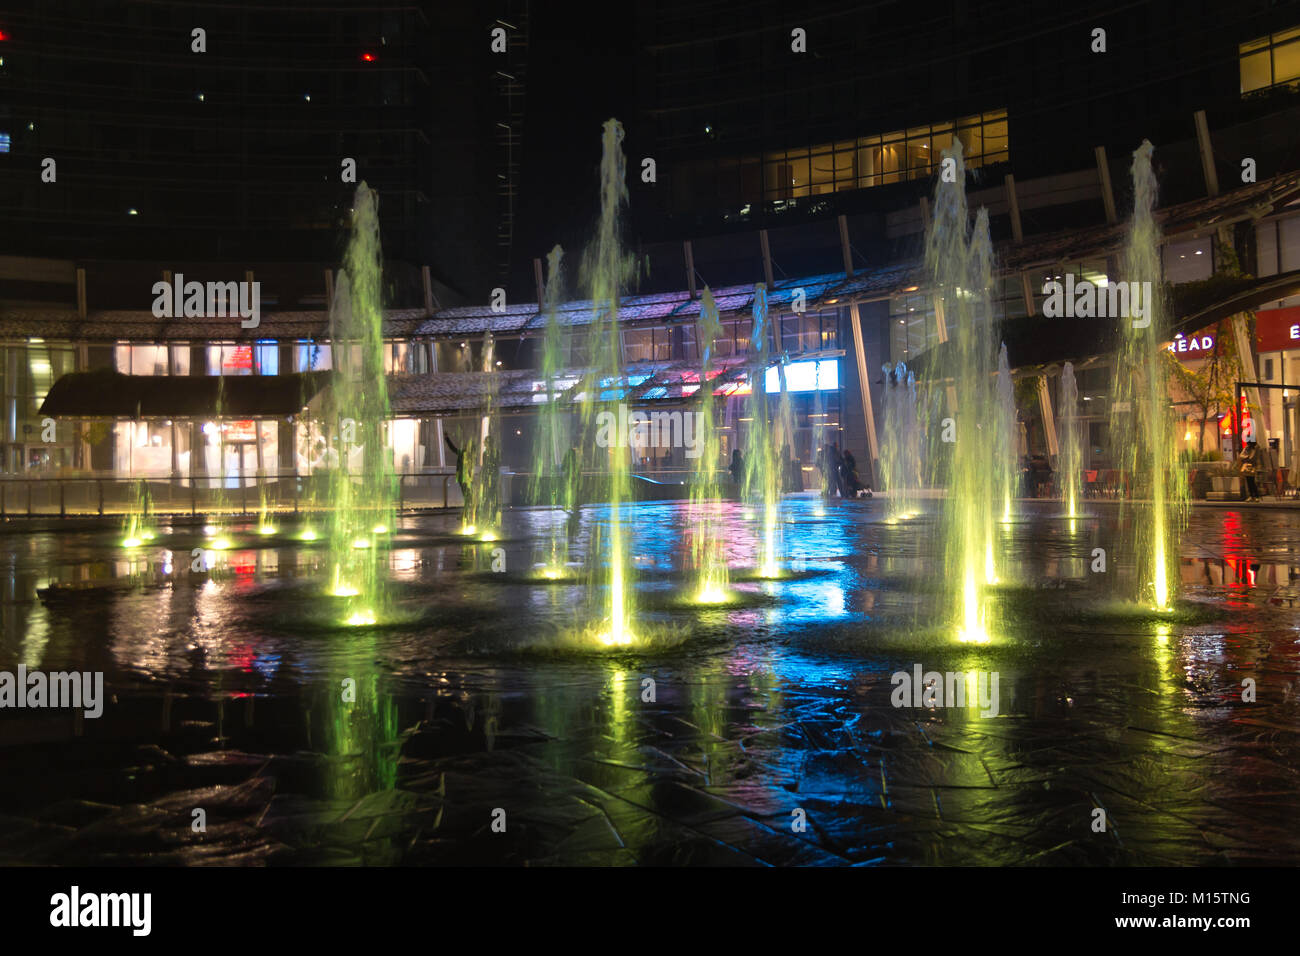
49 496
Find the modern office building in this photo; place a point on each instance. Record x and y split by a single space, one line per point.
830 218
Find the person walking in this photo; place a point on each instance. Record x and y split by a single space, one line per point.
835 462
737 467
1249 463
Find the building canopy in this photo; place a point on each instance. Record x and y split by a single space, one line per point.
103 393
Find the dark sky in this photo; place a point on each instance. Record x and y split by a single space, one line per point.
581 71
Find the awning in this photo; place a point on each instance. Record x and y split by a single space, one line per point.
103 393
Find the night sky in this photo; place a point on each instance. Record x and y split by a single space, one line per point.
581 71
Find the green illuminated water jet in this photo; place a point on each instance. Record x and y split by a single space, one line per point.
708 550
959 262
1067 415
901 451
1005 461
1142 423
762 469
606 268
361 487
552 483
482 515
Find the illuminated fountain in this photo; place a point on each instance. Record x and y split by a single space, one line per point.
362 501
606 268
138 529
763 470
1067 416
960 265
550 483
708 550
1141 419
900 453
483 511
1005 460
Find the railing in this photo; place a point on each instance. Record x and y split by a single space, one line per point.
48 496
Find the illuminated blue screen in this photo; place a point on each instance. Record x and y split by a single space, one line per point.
823 375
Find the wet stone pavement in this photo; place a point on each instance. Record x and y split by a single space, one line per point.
485 730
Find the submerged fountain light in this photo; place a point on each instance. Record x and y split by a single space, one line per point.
713 595
221 544
308 535
266 529
361 543
363 618
615 638
380 529
132 542
469 530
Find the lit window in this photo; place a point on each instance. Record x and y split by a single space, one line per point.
879 160
4 142
1270 61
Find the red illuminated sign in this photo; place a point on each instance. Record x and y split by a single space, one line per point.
239 357
1277 329
240 431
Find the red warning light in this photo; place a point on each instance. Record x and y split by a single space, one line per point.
3 35
368 58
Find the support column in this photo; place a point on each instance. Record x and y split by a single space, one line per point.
1049 420
689 251
1103 177
864 387
1241 337
1207 154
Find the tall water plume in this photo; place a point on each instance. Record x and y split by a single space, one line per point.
1067 415
361 504
552 484
1141 418
960 265
606 269
1006 462
708 550
901 451
762 473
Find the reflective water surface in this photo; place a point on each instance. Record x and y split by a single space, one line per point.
482 723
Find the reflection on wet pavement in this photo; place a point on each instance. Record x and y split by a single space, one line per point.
478 728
